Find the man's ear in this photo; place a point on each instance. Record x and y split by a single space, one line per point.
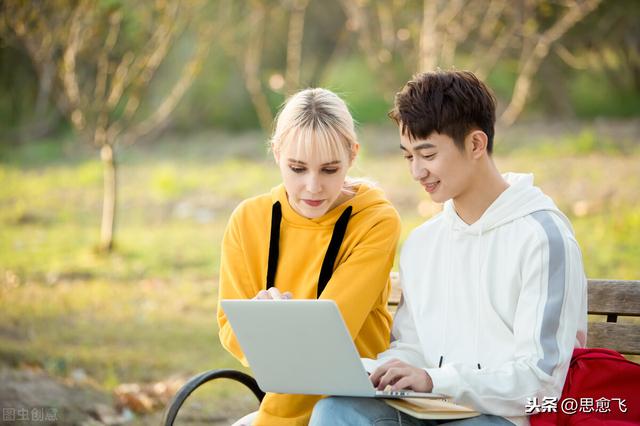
477 142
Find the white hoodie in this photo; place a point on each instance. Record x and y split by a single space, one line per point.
503 301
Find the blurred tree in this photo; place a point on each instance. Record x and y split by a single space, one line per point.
251 35
100 77
268 45
544 54
297 9
617 55
428 36
25 104
536 50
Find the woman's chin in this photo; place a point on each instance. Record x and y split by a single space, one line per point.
310 212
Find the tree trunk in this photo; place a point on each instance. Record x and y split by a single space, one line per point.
252 65
109 198
428 59
294 46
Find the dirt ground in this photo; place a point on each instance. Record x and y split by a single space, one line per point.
35 398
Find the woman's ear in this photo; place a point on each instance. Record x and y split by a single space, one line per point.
276 154
355 148
478 141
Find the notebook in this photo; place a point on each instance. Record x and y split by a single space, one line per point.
302 347
437 409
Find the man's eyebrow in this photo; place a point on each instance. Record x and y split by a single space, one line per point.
425 145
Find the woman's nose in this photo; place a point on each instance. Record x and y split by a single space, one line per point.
313 183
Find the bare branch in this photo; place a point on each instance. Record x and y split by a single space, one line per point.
136 71
458 31
189 73
491 19
577 11
569 58
501 42
115 20
357 22
445 17
252 61
69 76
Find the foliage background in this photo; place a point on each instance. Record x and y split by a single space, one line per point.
145 313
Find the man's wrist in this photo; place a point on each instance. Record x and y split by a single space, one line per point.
428 382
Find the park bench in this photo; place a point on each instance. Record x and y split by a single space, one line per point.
611 305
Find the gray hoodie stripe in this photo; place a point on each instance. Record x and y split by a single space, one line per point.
555 292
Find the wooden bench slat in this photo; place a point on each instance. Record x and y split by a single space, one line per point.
614 297
624 338
396 291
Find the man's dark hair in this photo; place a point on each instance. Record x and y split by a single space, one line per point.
448 102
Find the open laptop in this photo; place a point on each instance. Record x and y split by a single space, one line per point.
302 347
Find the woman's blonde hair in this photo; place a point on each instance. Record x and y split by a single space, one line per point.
320 124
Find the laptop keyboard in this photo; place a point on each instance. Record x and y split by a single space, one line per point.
394 393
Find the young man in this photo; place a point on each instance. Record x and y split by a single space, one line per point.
494 293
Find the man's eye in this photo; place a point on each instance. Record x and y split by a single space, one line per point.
295 169
429 156
408 157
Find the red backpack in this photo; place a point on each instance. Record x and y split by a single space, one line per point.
602 389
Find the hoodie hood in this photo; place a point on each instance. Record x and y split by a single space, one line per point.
365 197
520 199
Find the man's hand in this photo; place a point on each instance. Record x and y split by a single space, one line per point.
273 294
400 375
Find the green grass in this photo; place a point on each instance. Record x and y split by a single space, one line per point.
147 311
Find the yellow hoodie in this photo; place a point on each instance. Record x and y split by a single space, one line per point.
359 284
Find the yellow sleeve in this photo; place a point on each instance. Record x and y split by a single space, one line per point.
235 283
359 281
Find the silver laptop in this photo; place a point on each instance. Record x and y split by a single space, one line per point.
302 347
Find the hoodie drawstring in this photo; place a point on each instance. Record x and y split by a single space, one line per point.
443 332
339 230
443 337
274 244
478 290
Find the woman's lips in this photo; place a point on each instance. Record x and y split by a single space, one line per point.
313 203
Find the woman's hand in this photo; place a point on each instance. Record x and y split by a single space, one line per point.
273 294
400 375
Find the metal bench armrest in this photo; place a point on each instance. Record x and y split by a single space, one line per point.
183 393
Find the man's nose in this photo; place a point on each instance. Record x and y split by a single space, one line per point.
418 171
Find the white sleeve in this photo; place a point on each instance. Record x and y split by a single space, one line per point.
550 320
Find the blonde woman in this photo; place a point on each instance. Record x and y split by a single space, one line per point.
320 234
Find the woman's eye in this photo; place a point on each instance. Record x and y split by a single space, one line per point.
329 171
408 157
295 169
